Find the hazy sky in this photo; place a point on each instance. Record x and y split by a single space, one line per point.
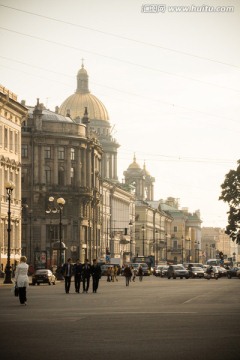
169 78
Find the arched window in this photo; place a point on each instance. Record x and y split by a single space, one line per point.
72 176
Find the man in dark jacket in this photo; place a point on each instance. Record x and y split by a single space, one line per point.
86 273
77 275
96 275
67 271
128 274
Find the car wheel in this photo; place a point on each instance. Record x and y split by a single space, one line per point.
174 277
54 283
181 277
33 283
49 283
229 276
186 277
38 284
169 277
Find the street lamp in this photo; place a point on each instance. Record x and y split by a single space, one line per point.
182 249
143 230
54 210
166 235
131 244
9 187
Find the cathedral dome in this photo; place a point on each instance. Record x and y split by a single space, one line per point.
75 104
134 165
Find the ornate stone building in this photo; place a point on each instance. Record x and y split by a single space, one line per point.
11 115
151 222
60 159
71 154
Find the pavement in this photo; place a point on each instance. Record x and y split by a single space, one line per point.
154 319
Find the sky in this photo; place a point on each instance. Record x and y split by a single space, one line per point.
168 73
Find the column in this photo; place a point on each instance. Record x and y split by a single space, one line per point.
68 170
55 165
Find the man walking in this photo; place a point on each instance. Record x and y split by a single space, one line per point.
86 273
128 274
67 271
77 275
96 275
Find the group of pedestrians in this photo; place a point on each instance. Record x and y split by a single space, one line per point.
131 272
82 274
112 272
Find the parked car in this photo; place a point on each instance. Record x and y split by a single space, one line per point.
238 273
196 272
43 276
164 271
145 268
175 271
222 271
232 272
157 270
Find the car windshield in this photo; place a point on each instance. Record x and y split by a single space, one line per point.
41 272
179 268
196 269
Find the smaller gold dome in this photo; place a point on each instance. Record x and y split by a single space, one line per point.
134 165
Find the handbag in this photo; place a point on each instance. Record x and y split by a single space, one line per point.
16 290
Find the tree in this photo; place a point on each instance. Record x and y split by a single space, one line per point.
231 195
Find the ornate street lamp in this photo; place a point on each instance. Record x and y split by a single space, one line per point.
54 210
8 272
143 230
131 241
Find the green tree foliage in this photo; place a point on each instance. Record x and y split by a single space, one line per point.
231 195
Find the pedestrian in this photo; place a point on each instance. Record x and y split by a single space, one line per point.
67 271
134 272
112 273
128 274
108 273
140 273
86 274
115 273
96 275
77 270
22 281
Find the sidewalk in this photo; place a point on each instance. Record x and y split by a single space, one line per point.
13 281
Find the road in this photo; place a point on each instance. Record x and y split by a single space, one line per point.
156 319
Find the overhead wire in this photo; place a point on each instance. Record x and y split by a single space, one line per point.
121 37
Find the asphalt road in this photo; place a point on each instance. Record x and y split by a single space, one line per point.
156 319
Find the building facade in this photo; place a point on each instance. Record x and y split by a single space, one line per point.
12 113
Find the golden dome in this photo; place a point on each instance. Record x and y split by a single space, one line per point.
134 165
75 104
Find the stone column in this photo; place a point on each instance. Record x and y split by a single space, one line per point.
68 170
36 164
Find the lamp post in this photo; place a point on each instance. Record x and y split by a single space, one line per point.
9 187
182 249
54 210
166 235
143 230
131 245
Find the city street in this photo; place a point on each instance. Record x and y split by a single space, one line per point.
154 319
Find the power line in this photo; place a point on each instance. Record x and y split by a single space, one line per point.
119 60
122 37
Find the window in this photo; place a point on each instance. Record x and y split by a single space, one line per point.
175 244
1 136
16 143
5 138
24 150
175 229
61 153
47 152
11 141
48 174
72 176
61 176
72 154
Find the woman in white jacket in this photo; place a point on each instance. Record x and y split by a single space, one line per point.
22 281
